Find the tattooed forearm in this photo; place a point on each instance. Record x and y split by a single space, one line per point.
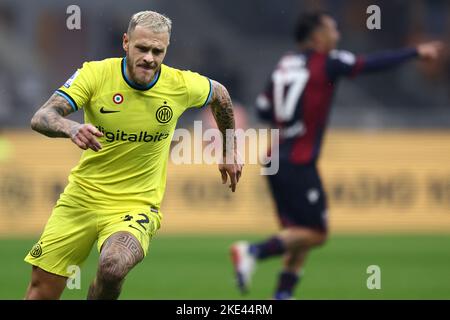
49 119
222 109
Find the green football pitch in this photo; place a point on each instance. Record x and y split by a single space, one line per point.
198 267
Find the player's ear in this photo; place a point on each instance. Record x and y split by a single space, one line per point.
125 42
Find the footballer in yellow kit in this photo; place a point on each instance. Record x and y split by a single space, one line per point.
120 187
131 106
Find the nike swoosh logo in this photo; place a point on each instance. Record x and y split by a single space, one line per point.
102 110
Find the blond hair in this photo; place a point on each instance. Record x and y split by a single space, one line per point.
152 20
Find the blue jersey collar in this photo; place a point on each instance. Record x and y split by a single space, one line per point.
135 85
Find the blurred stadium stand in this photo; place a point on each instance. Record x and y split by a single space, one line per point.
234 42
238 43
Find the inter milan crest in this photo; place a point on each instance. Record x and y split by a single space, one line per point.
36 251
118 98
164 113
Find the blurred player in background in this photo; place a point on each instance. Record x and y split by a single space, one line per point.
297 101
131 106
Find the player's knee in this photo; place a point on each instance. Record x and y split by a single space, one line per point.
112 269
39 290
35 290
321 238
44 286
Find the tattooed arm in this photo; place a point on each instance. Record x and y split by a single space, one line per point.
222 109
50 121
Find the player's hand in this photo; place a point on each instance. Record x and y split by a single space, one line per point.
232 170
430 50
83 135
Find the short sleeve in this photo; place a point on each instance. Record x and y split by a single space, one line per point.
79 88
199 89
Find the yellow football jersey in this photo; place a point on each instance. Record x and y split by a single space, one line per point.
138 124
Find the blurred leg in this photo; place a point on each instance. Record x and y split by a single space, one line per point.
300 237
290 239
294 260
298 243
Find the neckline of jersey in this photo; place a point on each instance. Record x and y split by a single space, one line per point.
133 84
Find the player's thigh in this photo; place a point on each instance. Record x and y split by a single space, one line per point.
279 188
66 241
142 223
120 252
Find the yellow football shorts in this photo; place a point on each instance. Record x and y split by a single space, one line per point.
71 232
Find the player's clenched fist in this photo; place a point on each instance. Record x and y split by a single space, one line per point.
83 135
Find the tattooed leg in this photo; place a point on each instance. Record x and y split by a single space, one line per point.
119 254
